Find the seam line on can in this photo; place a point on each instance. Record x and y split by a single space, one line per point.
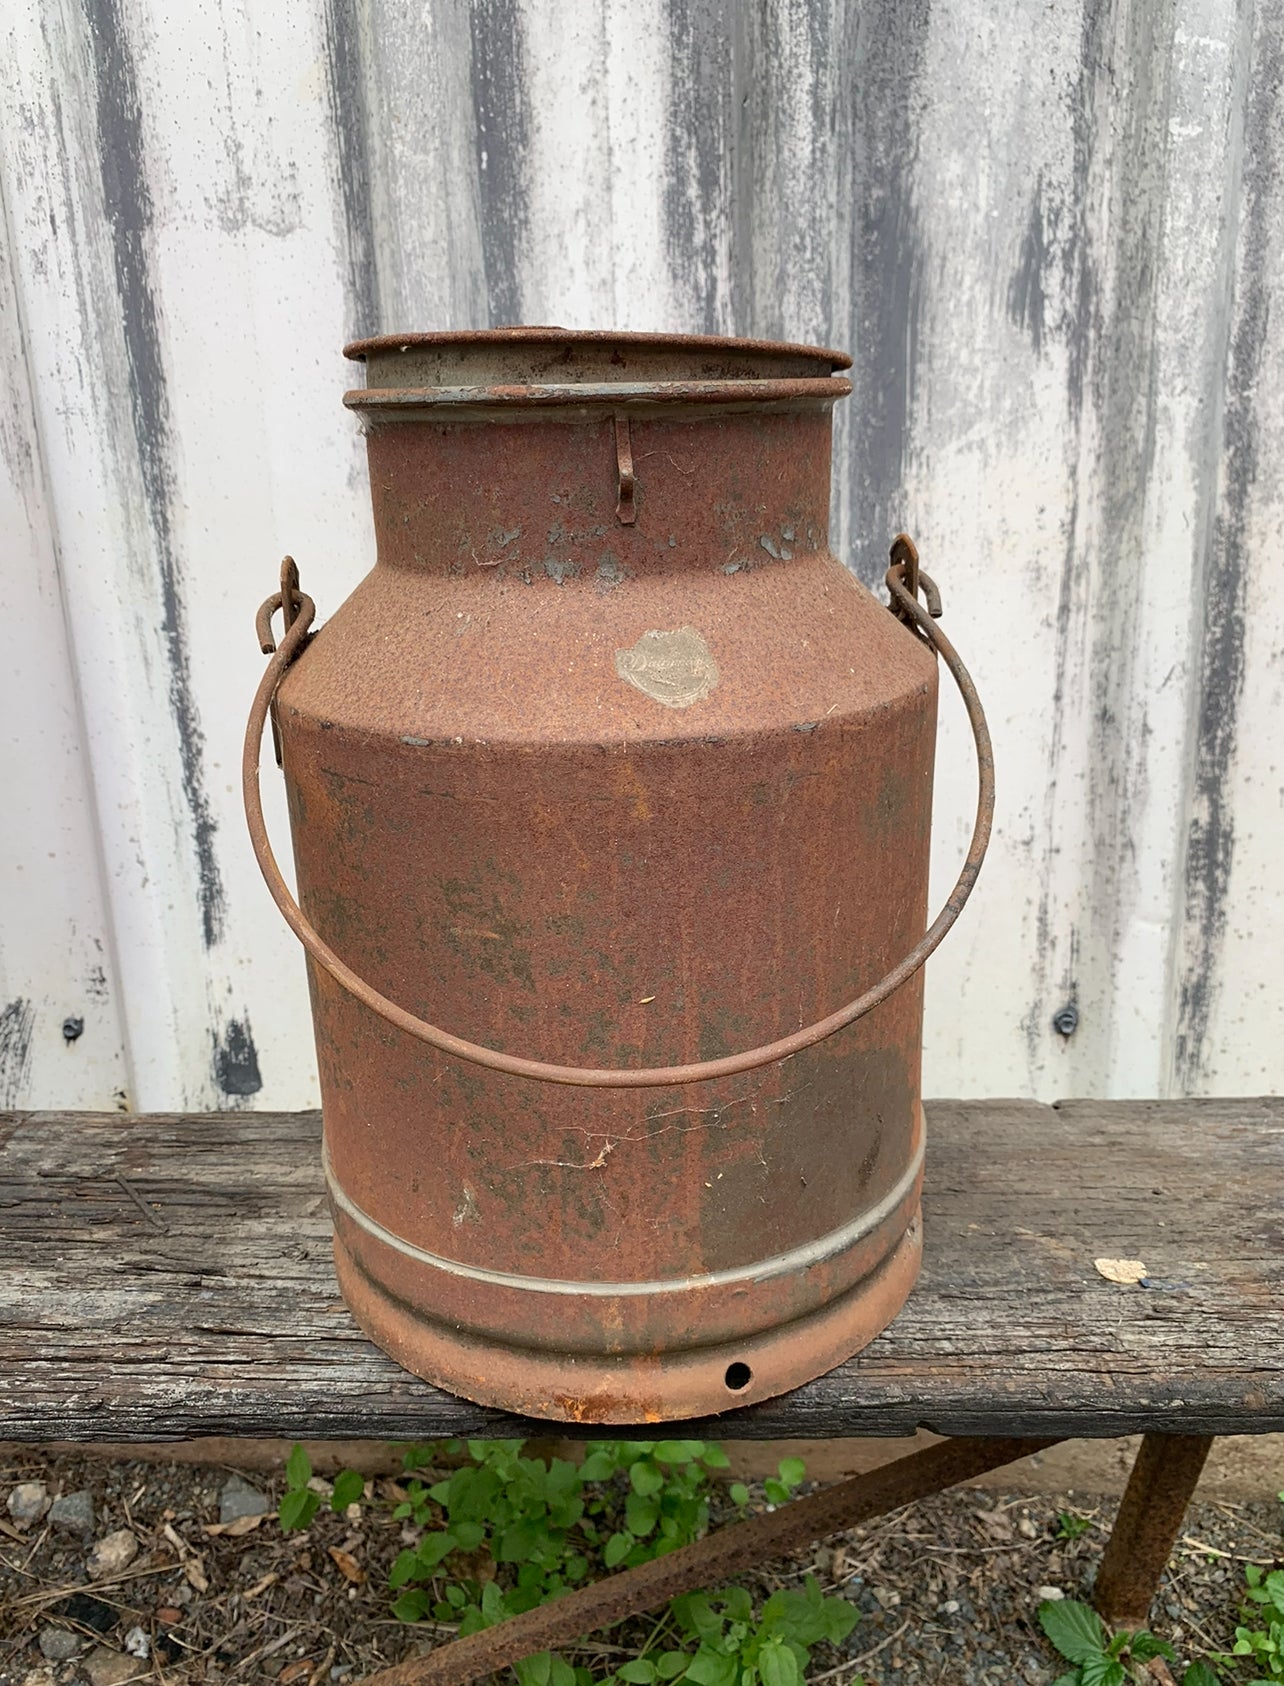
797 1258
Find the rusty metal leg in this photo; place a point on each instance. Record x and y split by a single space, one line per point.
1159 1489
708 1563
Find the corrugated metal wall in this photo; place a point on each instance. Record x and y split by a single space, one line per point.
1051 237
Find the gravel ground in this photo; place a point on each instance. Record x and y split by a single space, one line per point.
168 1573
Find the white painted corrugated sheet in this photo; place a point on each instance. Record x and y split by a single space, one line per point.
1051 237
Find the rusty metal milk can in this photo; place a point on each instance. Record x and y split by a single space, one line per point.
610 791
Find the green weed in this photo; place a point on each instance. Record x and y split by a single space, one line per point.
1104 1659
1072 1526
1264 1600
504 1532
300 1504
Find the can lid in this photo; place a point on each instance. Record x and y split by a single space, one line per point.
515 354
499 368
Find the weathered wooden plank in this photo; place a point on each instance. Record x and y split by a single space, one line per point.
170 1275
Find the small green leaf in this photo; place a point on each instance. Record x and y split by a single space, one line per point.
598 1466
1075 1629
839 1618
710 1668
777 1665
1070 1524
405 1566
645 1478
349 1486
738 1493
1143 1646
561 1673
518 1543
670 1664
411 1606
1100 1670
468 1535
298 1468
738 1604
776 1491
433 1548
793 1471
677 1451
1199 1674
713 1457
492 1602
298 1507
697 1616
640 1515
534 1671
617 1549
639 1672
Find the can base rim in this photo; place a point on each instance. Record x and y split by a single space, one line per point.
632 1389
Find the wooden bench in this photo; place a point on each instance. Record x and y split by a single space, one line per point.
169 1276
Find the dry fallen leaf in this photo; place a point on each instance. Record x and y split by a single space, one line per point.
295 1670
234 1530
270 1579
996 1523
349 1568
1127 1272
169 1616
196 1575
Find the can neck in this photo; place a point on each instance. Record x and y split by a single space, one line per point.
581 493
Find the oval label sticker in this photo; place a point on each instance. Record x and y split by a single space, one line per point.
674 668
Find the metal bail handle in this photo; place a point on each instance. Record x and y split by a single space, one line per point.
300 612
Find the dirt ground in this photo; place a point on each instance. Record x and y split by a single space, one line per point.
152 1586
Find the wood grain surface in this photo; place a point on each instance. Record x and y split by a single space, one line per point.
169 1276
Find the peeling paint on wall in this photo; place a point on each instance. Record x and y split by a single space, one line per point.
236 1060
499 102
708 192
128 203
890 267
349 113
1027 291
1210 847
17 1025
